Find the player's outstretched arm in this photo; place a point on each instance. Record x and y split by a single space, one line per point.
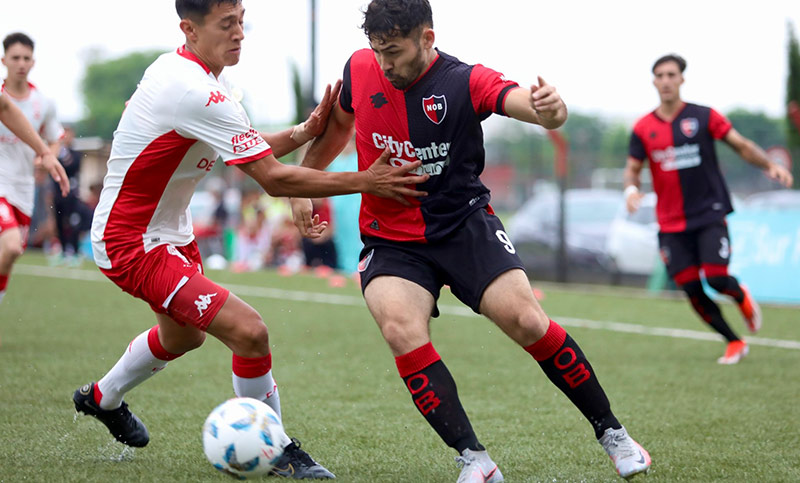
15 120
319 155
381 179
286 141
541 104
753 154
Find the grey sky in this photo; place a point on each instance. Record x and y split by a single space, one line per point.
598 54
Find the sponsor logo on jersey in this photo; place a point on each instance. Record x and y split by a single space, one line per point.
245 141
675 158
689 126
203 301
378 100
216 98
405 152
435 107
364 263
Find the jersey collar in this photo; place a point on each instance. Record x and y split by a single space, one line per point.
188 55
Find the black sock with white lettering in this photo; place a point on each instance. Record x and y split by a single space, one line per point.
564 363
435 395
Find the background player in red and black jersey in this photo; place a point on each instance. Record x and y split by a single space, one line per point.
693 200
405 96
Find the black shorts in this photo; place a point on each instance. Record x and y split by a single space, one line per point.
707 245
467 260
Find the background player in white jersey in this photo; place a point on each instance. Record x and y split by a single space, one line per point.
18 155
181 118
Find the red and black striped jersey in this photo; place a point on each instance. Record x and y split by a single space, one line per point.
683 161
436 120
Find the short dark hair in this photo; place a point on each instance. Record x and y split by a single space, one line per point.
17 38
198 9
389 18
671 58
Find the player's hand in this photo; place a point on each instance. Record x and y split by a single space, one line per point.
389 181
546 101
780 174
318 120
308 225
51 164
633 200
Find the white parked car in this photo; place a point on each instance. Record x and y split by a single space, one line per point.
632 240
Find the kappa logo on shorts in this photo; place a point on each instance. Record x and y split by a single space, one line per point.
203 301
363 264
5 213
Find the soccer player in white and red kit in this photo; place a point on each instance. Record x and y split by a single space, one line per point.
17 156
179 121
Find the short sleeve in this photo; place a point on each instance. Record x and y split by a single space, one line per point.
220 122
51 129
346 94
636 147
488 89
718 125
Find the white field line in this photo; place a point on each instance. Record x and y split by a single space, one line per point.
353 301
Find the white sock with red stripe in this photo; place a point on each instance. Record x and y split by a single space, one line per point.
144 357
252 377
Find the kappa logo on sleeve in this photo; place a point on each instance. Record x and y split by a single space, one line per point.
216 98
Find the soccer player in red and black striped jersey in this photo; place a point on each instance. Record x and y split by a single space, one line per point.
421 104
693 200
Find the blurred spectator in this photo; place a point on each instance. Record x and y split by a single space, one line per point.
321 252
346 236
72 216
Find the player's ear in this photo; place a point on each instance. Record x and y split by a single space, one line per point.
189 29
428 37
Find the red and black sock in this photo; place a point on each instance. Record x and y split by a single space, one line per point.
564 363
727 285
707 309
434 393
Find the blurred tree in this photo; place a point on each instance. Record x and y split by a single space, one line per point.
107 85
793 94
762 130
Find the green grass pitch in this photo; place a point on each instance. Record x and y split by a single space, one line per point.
342 397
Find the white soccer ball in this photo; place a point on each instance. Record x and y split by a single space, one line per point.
243 437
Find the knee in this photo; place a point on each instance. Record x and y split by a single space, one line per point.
693 288
528 326
720 284
251 337
10 252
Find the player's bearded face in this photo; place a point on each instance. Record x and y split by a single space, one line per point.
402 59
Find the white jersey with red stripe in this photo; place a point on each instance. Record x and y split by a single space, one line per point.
180 119
16 157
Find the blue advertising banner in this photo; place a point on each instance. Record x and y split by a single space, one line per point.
766 253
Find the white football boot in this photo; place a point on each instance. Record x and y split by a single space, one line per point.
628 456
477 467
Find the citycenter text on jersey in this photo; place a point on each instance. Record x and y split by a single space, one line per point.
407 150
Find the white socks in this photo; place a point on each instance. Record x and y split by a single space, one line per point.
135 366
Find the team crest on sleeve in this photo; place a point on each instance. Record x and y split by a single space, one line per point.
689 126
435 108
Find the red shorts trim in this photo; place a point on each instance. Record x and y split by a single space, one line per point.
11 217
171 280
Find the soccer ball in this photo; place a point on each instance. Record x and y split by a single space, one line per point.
243 437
